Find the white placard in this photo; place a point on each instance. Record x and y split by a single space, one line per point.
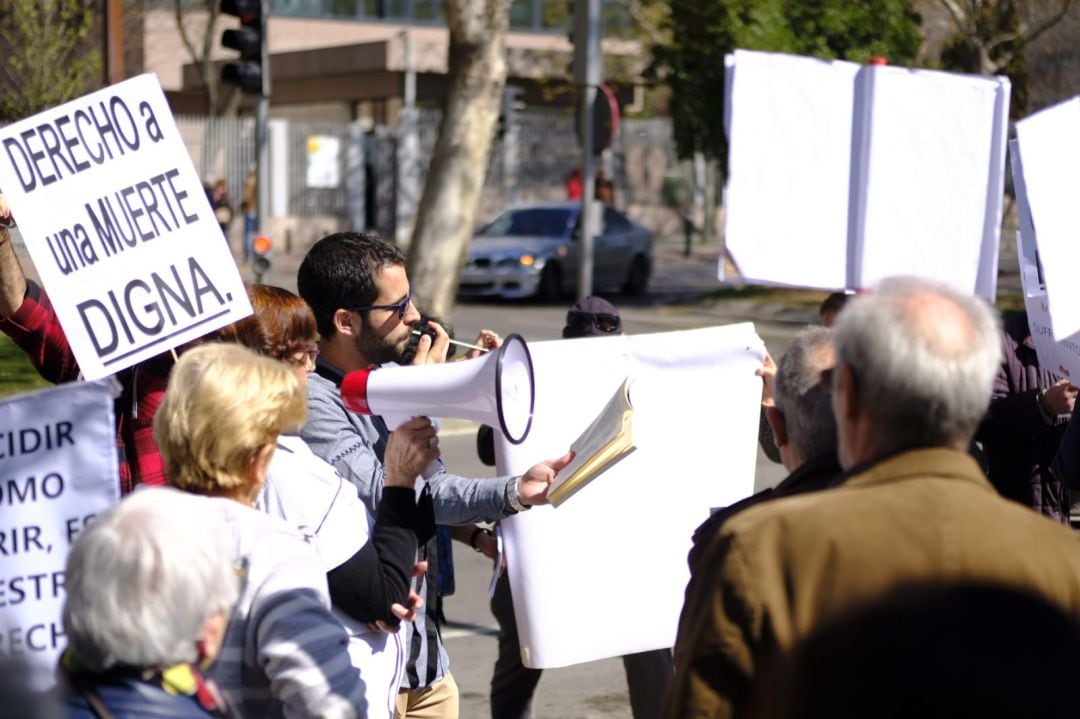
1062 358
842 174
323 161
119 226
604 574
57 470
1050 145
790 163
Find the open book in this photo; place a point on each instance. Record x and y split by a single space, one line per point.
603 443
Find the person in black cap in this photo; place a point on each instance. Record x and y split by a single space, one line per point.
592 317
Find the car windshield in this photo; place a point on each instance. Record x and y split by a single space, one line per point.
533 222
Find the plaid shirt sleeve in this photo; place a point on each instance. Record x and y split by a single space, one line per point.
34 327
36 330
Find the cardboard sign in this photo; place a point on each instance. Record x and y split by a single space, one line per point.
57 470
696 405
842 175
119 226
1050 146
1061 357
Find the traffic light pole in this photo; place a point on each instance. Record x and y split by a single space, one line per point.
588 194
587 74
262 164
262 110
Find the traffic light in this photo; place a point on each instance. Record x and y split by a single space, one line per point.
261 248
250 73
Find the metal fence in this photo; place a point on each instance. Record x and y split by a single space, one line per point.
545 139
222 148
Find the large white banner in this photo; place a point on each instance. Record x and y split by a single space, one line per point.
57 470
841 174
119 226
604 574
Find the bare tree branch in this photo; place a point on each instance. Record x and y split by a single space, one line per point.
201 58
957 14
1050 22
185 38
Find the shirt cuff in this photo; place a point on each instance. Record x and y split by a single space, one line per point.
513 499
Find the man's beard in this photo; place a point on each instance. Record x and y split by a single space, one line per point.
378 350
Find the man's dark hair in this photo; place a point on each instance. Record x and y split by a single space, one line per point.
339 272
833 303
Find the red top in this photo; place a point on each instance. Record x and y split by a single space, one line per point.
35 328
573 188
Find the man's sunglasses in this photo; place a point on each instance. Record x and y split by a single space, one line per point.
401 307
604 322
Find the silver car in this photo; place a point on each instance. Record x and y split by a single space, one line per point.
533 251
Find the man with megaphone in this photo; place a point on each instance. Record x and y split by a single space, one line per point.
357 286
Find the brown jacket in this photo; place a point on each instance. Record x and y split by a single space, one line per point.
780 568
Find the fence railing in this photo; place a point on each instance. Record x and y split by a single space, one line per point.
532 161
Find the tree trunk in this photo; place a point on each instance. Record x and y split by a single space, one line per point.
455 178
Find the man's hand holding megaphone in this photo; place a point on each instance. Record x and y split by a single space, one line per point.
409 449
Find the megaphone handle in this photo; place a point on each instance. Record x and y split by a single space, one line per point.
393 421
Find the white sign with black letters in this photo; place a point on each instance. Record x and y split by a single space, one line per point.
119 226
57 470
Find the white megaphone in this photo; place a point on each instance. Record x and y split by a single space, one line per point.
496 389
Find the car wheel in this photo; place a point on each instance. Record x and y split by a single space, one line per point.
637 278
550 288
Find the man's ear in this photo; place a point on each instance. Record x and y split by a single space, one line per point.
778 425
346 323
848 391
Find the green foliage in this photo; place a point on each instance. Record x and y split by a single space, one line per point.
50 57
16 372
702 32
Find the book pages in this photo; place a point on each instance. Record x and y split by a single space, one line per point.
609 438
696 401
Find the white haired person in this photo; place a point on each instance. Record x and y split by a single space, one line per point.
149 590
284 653
913 376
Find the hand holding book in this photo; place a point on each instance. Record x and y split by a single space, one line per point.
604 442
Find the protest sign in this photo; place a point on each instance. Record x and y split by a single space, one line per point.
696 404
841 175
57 470
1061 357
1050 147
119 226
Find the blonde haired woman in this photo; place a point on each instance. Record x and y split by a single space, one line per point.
284 653
369 559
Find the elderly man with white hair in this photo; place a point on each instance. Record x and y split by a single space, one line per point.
915 366
150 585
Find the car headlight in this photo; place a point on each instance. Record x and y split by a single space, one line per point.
522 261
